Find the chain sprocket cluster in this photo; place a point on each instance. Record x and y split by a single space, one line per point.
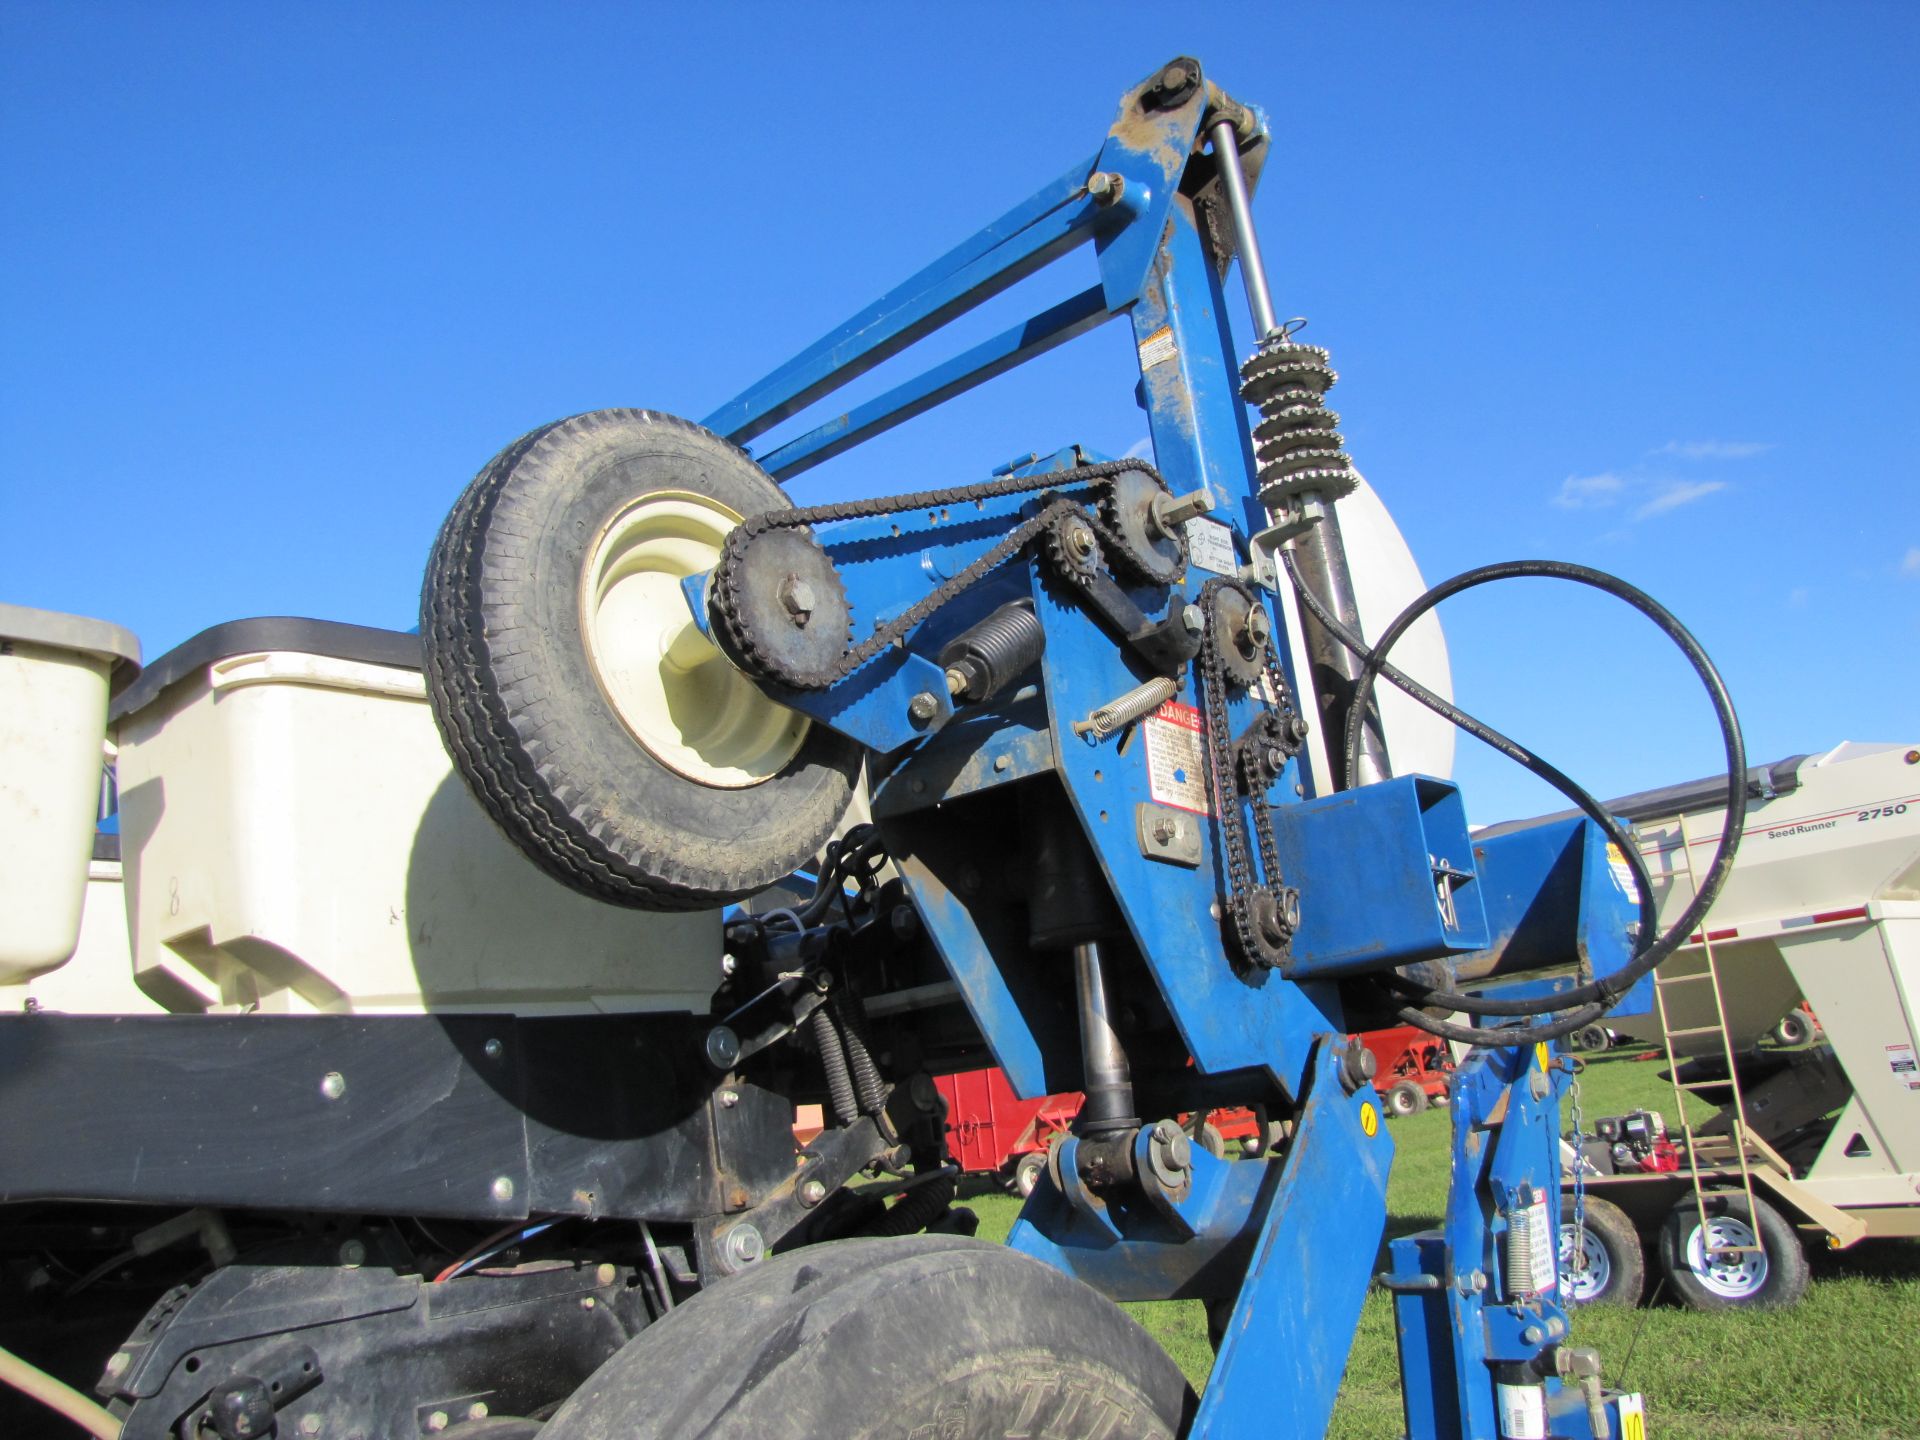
761 645
1259 916
1297 445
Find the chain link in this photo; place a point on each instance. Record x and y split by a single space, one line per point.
734 574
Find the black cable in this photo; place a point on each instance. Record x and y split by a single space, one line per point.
1597 997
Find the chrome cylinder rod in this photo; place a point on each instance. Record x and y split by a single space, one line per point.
1253 271
1108 1080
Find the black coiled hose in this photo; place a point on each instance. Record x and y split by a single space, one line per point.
1595 998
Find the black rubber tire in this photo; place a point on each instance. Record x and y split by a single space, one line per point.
931 1335
1609 1229
1406 1098
1027 1171
1592 1038
1787 1273
520 709
1793 1028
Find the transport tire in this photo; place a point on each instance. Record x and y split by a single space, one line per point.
1592 1037
931 1335
1406 1098
1773 1278
1793 1028
1026 1173
604 734
1613 1267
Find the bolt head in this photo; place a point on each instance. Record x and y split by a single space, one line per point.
729 1099
493 1049
797 597
743 1246
309 1424
812 1192
353 1253
1532 1335
723 1048
118 1363
333 1085
502 1189
923 707
437 1421
1194 619
477 1410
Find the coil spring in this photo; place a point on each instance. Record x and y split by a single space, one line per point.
1141 700
1297 447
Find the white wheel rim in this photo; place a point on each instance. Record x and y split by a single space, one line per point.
1731 1276
671 687
1593 1272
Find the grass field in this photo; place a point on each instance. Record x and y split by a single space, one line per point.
1845 1363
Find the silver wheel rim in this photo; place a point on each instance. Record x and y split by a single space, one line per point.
1719 1260
1588 1278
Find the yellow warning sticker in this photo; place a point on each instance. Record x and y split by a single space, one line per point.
1369 1118
1544 1054
1633 1417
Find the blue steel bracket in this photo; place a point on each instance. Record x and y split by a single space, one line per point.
1403 845
1459 1313
1129 1248
1558 899
1285 1346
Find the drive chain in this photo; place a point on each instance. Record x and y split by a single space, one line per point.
733 574
1233 782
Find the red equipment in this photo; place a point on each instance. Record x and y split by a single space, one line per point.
990 1131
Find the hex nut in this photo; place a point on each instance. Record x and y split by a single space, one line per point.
743 1246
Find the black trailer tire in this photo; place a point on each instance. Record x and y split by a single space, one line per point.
1770 1280
1026 1173
1793 1028
1592 1037
930 1335
1406 1098
600 780
1614 1271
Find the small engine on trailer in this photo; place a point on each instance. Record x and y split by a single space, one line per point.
1635 1142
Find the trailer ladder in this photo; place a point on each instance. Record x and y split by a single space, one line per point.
1741 1141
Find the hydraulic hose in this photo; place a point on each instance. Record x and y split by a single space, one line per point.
1595 998
62 1399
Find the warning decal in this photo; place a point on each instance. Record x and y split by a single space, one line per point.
1900 1060
1157 348
1176 738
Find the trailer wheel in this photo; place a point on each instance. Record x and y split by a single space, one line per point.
932 1335
1715 1269
1592 1037
1611 1269
1406 1098
1026 1173
602 731
1793 1028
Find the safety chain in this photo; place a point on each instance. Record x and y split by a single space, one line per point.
732 575
1259 918
1578 1260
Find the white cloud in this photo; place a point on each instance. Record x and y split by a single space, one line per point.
1672 494
1911 564
1714 449
1589 492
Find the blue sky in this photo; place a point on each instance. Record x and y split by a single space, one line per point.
1632 285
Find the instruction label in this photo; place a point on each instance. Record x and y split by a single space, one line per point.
1633 1417
1540 1230
1523 1411
1176 737
1157 348
1901 1061
1210 547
